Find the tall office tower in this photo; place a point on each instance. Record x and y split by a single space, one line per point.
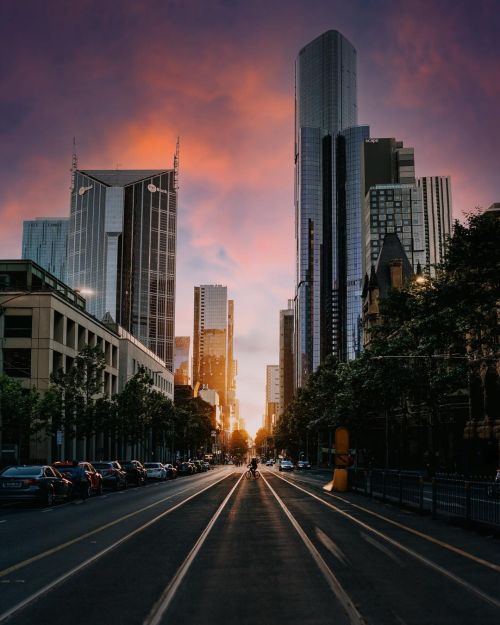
394 208
386 161
45 240
182 361
436 197
272 396
286 357
231 366
212 344
327 203
122 249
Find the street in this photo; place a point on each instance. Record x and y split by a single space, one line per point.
219 548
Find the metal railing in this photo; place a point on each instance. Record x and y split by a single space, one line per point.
473 500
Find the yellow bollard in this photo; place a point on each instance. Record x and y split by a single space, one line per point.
339 482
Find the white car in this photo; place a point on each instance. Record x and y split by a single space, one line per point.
269 463
155 471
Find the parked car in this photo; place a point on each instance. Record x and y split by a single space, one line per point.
39 483
185 468
171 471
86 480
155 471
303 464
136 473
286 465
206 465
113 474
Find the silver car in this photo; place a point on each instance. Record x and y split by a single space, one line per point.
155 471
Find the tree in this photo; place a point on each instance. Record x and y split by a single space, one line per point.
19 422
238 445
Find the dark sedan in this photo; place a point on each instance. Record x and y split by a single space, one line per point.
113 475
86 480
185 468
136 473
303 464
39 483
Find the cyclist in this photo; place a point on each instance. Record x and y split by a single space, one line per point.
253 466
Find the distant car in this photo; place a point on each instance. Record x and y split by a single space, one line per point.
136 473
185 468
155 471
113 474
269 463
206 465
198 466
303 464
171 471
86 480
286 465
39 483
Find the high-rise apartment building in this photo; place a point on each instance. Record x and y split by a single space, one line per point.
182 361
438 217
213 346
122 250
272 396
394 208
328 203
286 357
45 241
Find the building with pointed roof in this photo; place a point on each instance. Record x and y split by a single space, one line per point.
122 250
392 271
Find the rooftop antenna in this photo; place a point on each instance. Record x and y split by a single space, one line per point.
74 165
176 164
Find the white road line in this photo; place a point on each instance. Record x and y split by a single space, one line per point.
49 552
163 603
354 616
334 549
411 530
62 578
375 543
436 567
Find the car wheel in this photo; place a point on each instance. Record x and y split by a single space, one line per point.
49 498
87 491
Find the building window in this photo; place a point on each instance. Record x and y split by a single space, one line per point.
17 326
17 363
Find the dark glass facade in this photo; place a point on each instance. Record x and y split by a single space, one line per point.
328 204
122 250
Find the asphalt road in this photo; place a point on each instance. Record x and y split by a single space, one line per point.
217 548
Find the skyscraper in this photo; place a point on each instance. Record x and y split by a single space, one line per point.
397 209
45 240
213 346
328 203
122 250
272 396
437 207
182 360
286 357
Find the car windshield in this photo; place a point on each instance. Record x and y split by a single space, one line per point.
21 471
102 465
70 470
152 465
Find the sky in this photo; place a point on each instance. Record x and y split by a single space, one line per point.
126 77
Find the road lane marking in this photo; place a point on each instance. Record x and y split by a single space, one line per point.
62 578
327 542
49 552
375 543
459 580
436 541
163 603
352 612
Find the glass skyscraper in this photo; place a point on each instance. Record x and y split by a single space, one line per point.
122 250
45 241
213 350
328 203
